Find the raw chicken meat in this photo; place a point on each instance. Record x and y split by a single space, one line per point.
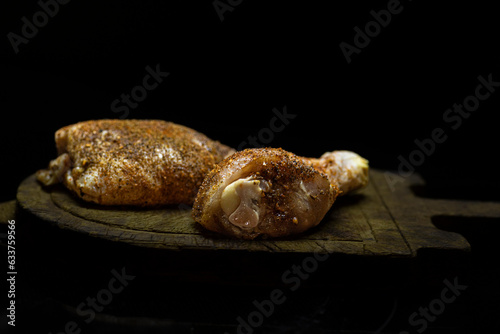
273 192
132 162
345 169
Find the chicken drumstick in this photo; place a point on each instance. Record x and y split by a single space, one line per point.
274 193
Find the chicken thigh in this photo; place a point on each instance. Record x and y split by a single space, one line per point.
132 162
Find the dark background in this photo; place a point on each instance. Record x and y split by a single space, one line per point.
227 76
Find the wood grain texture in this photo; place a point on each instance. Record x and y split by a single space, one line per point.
7 211
377 221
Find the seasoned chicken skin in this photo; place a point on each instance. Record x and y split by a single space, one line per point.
263 191
132 162
275 193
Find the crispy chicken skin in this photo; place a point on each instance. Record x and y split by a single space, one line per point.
264 191
132 162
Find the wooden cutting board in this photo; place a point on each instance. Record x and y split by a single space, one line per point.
376 221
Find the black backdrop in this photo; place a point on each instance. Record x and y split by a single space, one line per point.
226 76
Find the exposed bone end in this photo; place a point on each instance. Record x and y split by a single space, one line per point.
240 201
57 168
356 171
346 169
